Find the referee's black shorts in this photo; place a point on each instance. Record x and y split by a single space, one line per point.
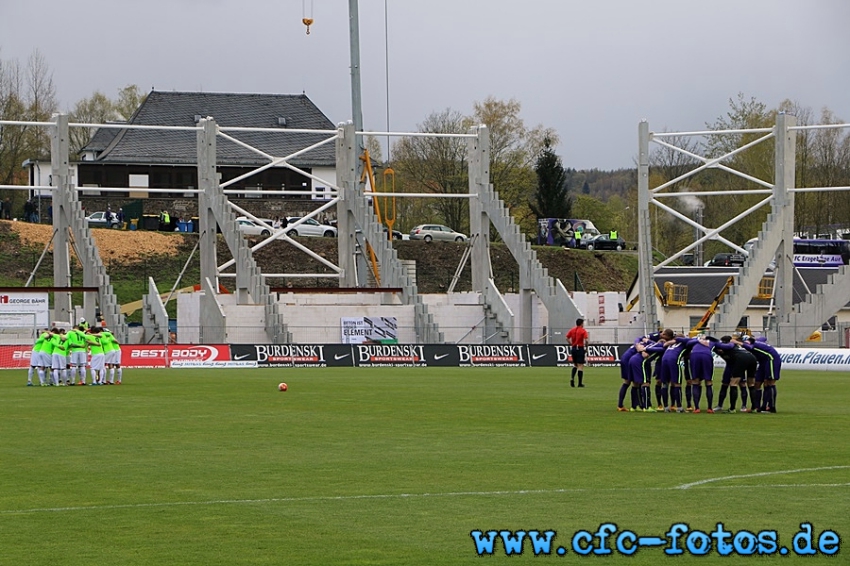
577 353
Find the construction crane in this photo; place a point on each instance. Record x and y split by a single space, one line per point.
634 301
702 325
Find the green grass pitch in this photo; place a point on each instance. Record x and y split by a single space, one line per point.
397 466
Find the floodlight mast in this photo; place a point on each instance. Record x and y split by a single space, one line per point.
354 39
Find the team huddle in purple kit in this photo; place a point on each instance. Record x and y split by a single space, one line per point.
678 362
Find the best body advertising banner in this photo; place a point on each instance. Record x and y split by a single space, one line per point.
175 355
24 310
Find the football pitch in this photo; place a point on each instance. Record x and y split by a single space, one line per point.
400 466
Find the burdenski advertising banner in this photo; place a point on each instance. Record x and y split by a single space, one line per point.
547 355
498 355
293 355
389 355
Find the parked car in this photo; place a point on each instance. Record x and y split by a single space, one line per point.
100 220
604 242
309 227
430 232
251 228
727 260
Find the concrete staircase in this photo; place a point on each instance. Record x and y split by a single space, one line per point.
154 316
248 274
562 310
499 319
818 307
749 276
94 272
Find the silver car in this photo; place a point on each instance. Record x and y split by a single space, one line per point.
101 220
308 228
251 228
430 232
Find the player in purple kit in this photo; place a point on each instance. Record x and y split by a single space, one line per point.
640 368
702 370
767 374
740 365
672 371
625 373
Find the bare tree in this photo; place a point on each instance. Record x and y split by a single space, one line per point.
13 146
41 102
437 165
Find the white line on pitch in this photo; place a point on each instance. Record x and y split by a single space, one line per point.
400 496
758 475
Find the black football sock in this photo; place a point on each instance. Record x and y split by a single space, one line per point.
634 398
658 393
723 389
622 396
580 377
744 397
689 394
733 398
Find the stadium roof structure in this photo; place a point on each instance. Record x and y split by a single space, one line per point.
277 112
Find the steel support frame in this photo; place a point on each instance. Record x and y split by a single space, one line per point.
647 196
781 192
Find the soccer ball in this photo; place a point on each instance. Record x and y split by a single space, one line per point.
282 387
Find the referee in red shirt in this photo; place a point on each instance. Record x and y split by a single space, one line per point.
577 337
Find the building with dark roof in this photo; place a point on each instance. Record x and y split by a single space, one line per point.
167 158
692 290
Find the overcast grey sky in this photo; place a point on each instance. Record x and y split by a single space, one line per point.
591 70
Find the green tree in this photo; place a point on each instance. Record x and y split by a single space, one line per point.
514 148
552 199
129 99
585 188
598 212
97 109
